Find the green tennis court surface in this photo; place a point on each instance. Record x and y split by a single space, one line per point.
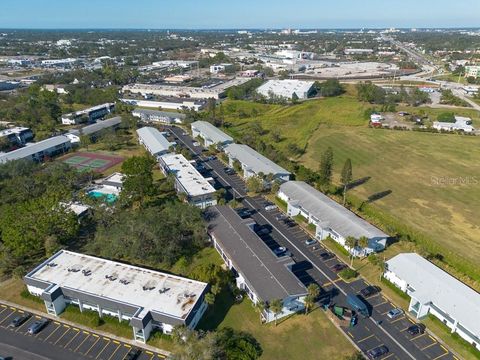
92 161
76 159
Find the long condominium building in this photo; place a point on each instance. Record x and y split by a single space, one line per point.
39 151
147 299
210 134
88 115
153 141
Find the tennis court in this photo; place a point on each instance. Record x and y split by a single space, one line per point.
92 161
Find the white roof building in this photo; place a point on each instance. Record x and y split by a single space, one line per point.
153 140
210 134
146 298
434 291
286 88
40 150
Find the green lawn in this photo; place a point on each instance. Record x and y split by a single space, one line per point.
300 337
413 166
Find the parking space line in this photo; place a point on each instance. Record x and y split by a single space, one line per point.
383 303
365 338
400 318
440 356
78 332
6 318
81 343
118 347
431 337
349 333
55 343
25 323
95 343
108 343
416 337
428 346
390 355
331 282
127 346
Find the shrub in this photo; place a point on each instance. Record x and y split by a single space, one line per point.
26 295
348 273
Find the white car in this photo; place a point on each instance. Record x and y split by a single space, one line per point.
394 313
196 143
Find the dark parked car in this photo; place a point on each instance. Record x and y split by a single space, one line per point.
377 352
229 171
326 256
289 222
133 354
416 329
244 213
19 320
281 217
338 267
280 251
262 230
37 326
370 291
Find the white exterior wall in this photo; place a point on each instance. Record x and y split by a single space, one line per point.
34 290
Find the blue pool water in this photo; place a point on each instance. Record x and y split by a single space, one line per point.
109 198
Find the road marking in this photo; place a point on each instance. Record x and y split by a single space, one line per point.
400 318
14 309
149 352
6 318
431 337
56 322
349 333
440 356
331 282
126 345
108 343
118 347
375 347
4 308
386 357
78 332
383 303
21 311
81 343
413 322
25 323
55 343
428 346
365 338
95 343
116 342
416 337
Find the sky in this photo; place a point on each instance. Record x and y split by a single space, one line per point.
236 14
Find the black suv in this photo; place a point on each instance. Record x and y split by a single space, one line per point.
370 291
377 352
19 320
133 354
416 329
326 256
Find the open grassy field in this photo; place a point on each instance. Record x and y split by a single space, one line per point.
434 179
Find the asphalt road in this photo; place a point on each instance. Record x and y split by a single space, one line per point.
369 333
58 341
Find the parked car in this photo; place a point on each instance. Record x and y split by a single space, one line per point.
338 267
133 354
37 326
211 157
280 251
289 222
370 291
262 230
281 217
310 241
394 313
416 329
19 320
196 143
270 206
326 256
244 213
377 352
229 171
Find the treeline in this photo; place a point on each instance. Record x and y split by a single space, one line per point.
373 94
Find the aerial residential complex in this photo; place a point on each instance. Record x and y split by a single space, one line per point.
254 163
433 291
39 151
94 129
147 299
88 115
188 180
210 134
153 140
166 103
329 217
257 270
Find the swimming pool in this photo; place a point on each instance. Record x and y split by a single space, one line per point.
109 198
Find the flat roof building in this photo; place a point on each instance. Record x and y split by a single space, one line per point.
254 163
153 140
434 291
147 299
286 88
93 129
40 150
167 103
210 134
330 218
258 271
88 115
17 135
163 117
174 91
188 180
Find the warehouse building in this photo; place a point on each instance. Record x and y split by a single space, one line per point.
434 291
210 134
157 116
174 91
153 140
330 218
168 103
254 163
88 115
147 299
39 151
287 89
188 180
257 270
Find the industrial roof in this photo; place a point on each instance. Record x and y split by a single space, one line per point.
432 284
100 125
330 213
211 132
34 148
253 160
286 88
265 273
191 180
65 270
153 139
88 110
159 113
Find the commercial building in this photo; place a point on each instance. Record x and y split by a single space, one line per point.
163 117
257 270
188 180
218 68
358 51
434 291
88 115
39 151
147 299
287 89
167 103
472 71
174 91
17 135
210 134
330 218
461 124
153 140
94 129
254 163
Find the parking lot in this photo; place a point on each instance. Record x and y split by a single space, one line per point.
57 335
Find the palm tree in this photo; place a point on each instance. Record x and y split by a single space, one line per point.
346 178
276 306
260 306
309 303
209 299
351 242
363 242
313 290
